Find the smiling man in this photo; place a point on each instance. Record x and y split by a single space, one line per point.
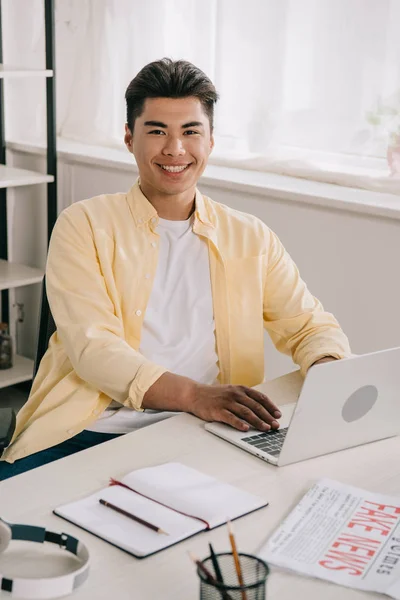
161 295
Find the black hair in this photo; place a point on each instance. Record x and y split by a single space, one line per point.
166 78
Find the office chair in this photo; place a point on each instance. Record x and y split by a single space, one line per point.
46 329
7 426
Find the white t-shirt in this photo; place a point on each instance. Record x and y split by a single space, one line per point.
178 331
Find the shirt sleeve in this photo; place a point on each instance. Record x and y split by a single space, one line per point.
87 314
294 319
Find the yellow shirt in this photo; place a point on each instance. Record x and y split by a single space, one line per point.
101 265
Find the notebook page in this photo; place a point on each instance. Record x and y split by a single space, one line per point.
122 531
192 492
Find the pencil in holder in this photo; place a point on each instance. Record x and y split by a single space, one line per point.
226 586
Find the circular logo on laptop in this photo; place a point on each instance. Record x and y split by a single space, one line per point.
359 403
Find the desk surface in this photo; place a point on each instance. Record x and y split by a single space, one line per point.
170 575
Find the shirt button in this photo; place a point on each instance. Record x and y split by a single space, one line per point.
140 220
70 431
154 244
138 313
147 276
96 412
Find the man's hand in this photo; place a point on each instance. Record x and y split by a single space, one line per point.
235 405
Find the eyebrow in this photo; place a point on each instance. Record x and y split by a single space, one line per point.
164 126
193 124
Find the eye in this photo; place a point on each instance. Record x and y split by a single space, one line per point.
157 132
191 132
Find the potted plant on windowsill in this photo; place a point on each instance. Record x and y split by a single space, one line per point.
385 120
393 153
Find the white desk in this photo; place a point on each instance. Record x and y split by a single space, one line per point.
170 575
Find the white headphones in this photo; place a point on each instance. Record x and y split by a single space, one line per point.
49 587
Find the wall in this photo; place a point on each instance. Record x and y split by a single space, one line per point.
349 260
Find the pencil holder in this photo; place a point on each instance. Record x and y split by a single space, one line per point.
254 573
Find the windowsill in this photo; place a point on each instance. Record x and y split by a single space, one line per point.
271 185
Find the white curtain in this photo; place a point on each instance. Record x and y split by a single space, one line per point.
309 88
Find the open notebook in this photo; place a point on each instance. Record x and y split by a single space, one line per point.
176 498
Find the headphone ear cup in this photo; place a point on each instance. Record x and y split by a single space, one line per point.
5 535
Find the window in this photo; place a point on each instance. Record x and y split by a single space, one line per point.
308 87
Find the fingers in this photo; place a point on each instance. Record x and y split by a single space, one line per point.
242 417
264 401
254 414
238 406
251 411
233 420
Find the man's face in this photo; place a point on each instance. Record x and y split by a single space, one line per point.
171 142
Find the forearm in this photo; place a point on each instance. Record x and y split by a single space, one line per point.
238 406
170 392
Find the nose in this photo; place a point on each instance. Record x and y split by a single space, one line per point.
174 147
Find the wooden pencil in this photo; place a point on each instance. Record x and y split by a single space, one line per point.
121 511
236 559
209 575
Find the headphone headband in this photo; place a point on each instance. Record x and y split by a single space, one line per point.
49 587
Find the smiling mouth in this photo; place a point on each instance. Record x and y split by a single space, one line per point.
174 168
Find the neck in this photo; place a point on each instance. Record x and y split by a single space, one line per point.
177 207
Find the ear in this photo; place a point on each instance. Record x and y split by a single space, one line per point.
212 142
128 138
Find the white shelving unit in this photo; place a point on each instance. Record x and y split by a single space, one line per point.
13 275
7 71
11 177
21 370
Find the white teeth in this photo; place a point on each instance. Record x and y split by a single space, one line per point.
171 169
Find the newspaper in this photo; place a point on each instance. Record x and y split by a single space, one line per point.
343 534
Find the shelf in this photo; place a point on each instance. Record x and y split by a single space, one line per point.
7 71
11 177
21 371
13 275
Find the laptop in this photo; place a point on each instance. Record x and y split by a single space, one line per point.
342 404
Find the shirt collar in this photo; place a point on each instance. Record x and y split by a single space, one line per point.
201 212
143 211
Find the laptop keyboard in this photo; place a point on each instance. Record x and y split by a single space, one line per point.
269 442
